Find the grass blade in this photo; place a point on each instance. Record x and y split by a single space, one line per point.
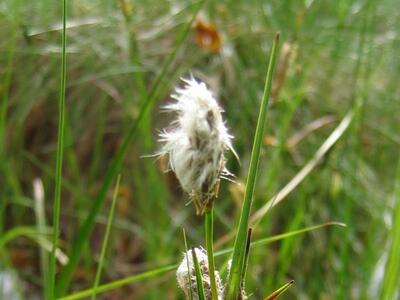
199 277
268 240
391 280
233 286
209 232
33 234
187 264
162 270
106 237
279 291
86 228
245 263
59 158
118 283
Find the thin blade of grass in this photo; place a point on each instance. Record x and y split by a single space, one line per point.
187 264
33 234
86 228
118 283
279 291
199 277
106 238
245 260
59 157
391 280
209 232
268 240
162 270
240 241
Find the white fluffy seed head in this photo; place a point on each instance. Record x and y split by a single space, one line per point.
186 277
197 142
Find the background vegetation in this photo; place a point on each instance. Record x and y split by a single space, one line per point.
335 57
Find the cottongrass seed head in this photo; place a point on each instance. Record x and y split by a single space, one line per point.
186 277
197 142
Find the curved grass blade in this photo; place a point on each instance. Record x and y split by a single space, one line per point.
233 285
106 237
35 235
282 236
118 283
87 226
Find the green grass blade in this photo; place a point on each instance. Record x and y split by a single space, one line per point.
106 238
209 233
16 232
118 283
187 264
86 228
245 263
199 277
268 240
391 280
279 291
162 270
33 234
233 286
59 158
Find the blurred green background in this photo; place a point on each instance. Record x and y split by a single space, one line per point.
335 57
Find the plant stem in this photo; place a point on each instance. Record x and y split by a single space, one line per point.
209 231
59 158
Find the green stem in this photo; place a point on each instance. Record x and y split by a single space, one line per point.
209 230
59 158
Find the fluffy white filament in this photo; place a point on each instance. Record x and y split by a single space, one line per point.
197 142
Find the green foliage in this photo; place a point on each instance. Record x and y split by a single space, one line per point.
335 57
391 280
238 256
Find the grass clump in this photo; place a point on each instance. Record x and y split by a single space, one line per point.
327 154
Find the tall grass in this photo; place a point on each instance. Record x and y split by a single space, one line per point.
88 225
337 61
391 281
59 157
234 282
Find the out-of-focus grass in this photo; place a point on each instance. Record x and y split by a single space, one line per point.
335 55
